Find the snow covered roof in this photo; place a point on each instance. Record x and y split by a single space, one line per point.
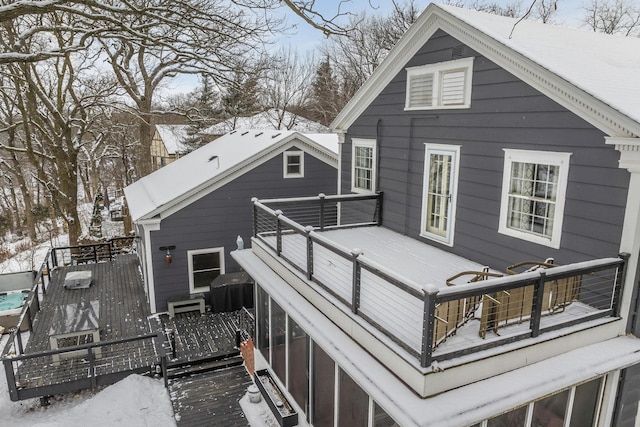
597 76
172 137
225 158
268 120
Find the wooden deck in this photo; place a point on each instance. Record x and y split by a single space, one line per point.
123 313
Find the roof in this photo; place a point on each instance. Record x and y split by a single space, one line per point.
172 137
595 75
268 120
225 158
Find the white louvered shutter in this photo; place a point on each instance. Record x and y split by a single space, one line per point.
453 85
420 90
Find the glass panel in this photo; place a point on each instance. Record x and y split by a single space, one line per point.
204 278
293 164
438 193
585 404
363 167
381 418
353 405
323 388
278 344
514 418
206 261
550 412
299 365
262 319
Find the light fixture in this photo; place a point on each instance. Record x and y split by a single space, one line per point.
168 258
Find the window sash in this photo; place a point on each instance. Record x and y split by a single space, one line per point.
363 167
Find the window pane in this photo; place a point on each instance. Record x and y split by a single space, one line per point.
363 167
293 164
353 406
381 418
262 319
206 261
585 404
515 418
323 388
550 412
278 345
204 278
299 365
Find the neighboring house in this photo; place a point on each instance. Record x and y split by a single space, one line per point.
483 141
166 145
196 207
267 120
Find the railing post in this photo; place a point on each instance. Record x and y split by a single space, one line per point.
255 216
619 285
28 317
278 233
428 322
18 335
11 378
321 196
54 258
379 209
355 283
308 231
92 368
536 307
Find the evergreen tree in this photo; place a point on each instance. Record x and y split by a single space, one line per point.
325 99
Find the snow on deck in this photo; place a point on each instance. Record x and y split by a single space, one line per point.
422 263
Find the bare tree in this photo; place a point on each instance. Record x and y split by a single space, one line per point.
613 17
286 86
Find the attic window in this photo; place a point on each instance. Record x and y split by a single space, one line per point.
439 86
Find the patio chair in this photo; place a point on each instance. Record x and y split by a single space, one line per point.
452 315
514 306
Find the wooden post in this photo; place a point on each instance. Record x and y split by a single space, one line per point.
278 233
321 196
92 368
619 281
355 283
19 337
536 307
308 231
11 378
255 216
428 322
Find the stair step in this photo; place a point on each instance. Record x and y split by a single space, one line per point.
192 368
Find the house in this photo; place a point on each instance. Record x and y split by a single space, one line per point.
482 268
267 120
189 214
167 145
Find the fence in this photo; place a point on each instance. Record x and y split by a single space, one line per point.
95 252
520 305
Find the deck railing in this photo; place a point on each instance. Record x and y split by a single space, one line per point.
408 313
95 252
103 363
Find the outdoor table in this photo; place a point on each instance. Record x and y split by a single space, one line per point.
75 324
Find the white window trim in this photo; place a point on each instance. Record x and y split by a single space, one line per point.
536 157
443 148
358 142
190 254
438 69
287 155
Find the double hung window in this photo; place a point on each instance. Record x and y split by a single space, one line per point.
204 266
363 171
533 191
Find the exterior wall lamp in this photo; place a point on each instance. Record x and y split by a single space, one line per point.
168 258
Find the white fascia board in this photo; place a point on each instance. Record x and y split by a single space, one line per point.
295 139
591 109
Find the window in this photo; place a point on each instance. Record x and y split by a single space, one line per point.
293 164
204 266
533 192
439 190
441 85
363 170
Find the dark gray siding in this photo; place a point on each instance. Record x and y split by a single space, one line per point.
629 392
505 113
218 218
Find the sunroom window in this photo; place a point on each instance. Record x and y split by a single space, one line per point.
533 193
441 85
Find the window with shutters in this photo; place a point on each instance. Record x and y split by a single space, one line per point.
533 192
441 85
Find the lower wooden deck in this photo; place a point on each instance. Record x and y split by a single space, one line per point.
123 313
